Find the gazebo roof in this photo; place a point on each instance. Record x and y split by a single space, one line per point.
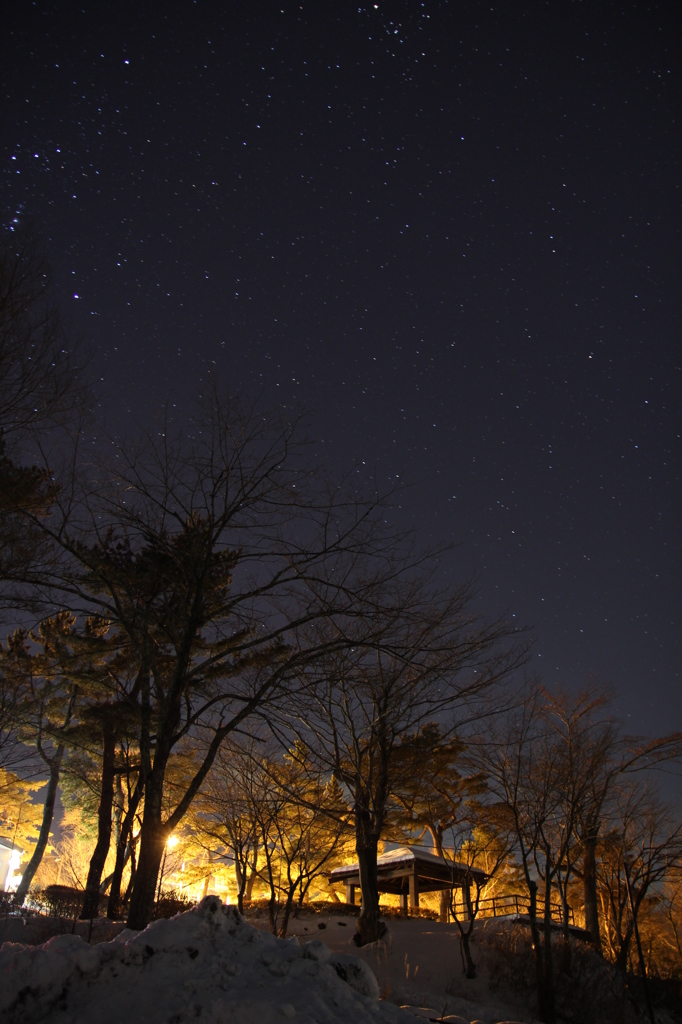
393 868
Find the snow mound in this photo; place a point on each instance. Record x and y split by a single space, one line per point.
206 963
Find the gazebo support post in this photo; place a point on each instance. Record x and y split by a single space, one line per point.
350 895
414 890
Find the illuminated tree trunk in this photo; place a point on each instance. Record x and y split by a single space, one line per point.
55 765
253 872
97 861
590 891
123 852
444 900
153 838
370 927
548 1012
465 933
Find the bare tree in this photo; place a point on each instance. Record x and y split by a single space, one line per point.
308 821
211 553
671 905
280 820
640 852
42 387
606 758
224 813
535 770
481 845
413 657
39 380
582 742
554 763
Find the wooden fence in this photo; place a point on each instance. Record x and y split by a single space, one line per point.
504 906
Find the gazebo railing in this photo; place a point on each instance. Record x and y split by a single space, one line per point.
513 903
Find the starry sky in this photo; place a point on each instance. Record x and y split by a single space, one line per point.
451 231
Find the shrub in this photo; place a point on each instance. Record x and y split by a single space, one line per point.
171 903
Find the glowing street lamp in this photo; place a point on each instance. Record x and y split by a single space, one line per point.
10 858
13 876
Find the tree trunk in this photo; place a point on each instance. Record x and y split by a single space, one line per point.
272 912
466 935
548 1014
544 1010
566 945
240 874
55 764
302 893
133 872
370 927
248 894
124 853
124 850
466 949
272 902
207 879
118 810
97 861
565 926
286 913
153 838
624 951
444 900
239 878
590 892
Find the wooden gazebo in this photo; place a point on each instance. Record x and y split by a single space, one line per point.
406 872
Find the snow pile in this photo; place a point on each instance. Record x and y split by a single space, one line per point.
206 963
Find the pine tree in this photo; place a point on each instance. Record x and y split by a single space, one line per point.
430 789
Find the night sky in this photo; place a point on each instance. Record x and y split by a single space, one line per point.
451 231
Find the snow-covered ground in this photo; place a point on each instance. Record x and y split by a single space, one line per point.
210 965
419 964
206 964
